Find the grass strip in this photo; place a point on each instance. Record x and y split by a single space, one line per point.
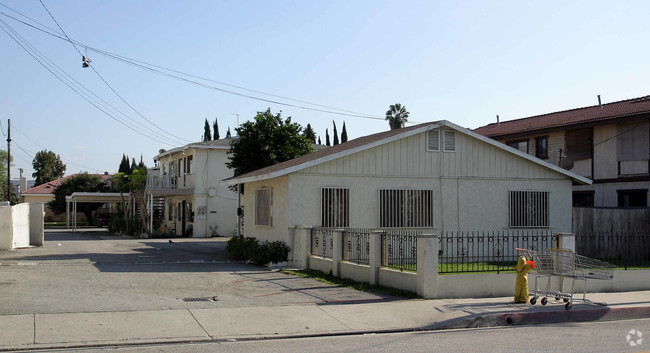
331 280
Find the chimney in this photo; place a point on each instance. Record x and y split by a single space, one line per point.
498 123
599 103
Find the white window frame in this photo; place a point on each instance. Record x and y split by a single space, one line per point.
396 208
430 134
447 134
264 217
529 209
335 207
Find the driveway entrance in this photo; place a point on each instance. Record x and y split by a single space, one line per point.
92 271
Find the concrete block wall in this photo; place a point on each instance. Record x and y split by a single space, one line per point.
429 284
21 226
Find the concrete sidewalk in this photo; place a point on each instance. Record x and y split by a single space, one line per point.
67 330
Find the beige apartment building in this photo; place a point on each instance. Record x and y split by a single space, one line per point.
608 143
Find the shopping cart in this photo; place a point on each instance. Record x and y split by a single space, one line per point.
568 264
544 267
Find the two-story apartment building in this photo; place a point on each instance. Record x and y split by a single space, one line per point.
185 184
608 143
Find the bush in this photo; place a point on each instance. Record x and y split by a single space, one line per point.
246 248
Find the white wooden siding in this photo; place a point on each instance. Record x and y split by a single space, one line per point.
409 158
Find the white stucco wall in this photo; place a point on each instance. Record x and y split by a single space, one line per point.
279 211
214 205
6 228
219 201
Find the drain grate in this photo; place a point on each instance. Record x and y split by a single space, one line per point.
206 299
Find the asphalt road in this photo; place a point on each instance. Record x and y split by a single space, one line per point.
94 272
589 337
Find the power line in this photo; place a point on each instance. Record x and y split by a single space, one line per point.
87 62
39 57
58 25
153 68
67 160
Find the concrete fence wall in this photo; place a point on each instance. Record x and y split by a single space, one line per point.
21 226
429 284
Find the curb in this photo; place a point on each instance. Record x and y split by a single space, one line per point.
596 314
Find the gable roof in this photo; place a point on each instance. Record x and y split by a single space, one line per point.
593 114
370 141
50 187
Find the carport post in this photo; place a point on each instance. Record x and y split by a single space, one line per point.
67 214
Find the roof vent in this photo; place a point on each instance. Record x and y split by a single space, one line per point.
498 123
599 103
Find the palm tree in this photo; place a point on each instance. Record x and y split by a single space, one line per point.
397 116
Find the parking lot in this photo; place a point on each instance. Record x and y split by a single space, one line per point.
92 271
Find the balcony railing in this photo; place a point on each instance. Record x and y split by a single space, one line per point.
185 181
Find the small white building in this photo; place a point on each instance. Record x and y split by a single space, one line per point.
188 199
435 176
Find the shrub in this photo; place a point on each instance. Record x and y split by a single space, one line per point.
247 248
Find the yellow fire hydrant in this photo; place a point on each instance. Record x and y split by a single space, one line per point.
521 285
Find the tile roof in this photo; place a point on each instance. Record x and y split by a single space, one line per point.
626 108
49 187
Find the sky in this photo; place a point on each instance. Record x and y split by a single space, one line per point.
319 62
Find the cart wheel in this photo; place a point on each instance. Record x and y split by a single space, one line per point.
533 300
567 306
544 301
557 297
566 300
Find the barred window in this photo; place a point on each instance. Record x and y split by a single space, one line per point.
450 141
433 140
529 209
263 204
405 208
335 207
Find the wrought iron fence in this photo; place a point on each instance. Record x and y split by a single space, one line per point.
322 242
356 246
621 249
488 251
399 249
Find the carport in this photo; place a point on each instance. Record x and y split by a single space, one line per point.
90 197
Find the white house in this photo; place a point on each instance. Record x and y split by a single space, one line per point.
435 176
186 192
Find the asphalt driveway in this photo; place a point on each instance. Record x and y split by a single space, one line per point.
92 271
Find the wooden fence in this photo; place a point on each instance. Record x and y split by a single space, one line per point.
588 220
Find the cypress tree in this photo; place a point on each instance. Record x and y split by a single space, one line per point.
336 134
344 134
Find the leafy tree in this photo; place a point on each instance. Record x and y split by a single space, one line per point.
79 183
327 138
310 134
215 128
48 166
266 141
134 184
397 116
124 165
336 134
228 133
207 136
3 177
344 134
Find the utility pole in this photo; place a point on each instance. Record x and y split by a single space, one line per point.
9 160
